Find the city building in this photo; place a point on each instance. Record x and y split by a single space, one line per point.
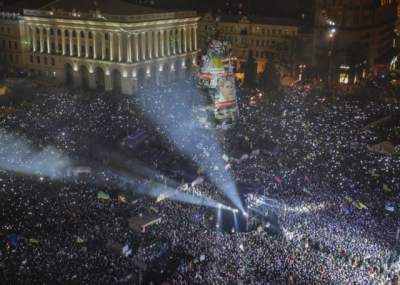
111 45
262 37
353 38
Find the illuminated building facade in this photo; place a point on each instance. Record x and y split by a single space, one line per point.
261 36
110 45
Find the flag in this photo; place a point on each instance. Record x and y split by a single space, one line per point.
386 188
122 198
79 240
360 205
278 179
348 199
374 174
13 239
103 196
389 206
33 241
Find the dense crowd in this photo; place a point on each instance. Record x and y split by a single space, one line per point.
333 191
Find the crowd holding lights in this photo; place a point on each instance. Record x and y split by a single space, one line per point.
54 231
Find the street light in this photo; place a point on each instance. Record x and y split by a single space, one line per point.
331 34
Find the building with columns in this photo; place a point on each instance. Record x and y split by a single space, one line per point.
110 45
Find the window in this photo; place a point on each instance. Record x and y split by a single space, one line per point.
9 44
53 62
45 60
58 33
66 33
73 34
38 59
82 34
106 36
344 78
15 45
31 58
52 32
90 35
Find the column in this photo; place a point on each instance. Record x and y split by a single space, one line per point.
41 39
190 39
150 43
129 48
28 37
185 39
174 41
34 41
56 40
78 35
136 49
156 45
111 38
87 44
119 47
48 40
63 41
71 44
195 38
179 40
168 43
143 40
103 46
94 45
162 43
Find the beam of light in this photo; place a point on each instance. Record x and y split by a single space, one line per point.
130 167
219 218
236 220
161 192
18 154
178 123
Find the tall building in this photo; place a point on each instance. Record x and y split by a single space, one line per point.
111 45
262 37
353 37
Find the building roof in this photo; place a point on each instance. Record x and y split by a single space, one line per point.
277 21
112 7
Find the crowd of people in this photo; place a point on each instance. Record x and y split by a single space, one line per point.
334 228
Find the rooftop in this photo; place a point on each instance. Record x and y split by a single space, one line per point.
113 7
278 21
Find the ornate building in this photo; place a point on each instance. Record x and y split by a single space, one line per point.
111 45
262 37
353 37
